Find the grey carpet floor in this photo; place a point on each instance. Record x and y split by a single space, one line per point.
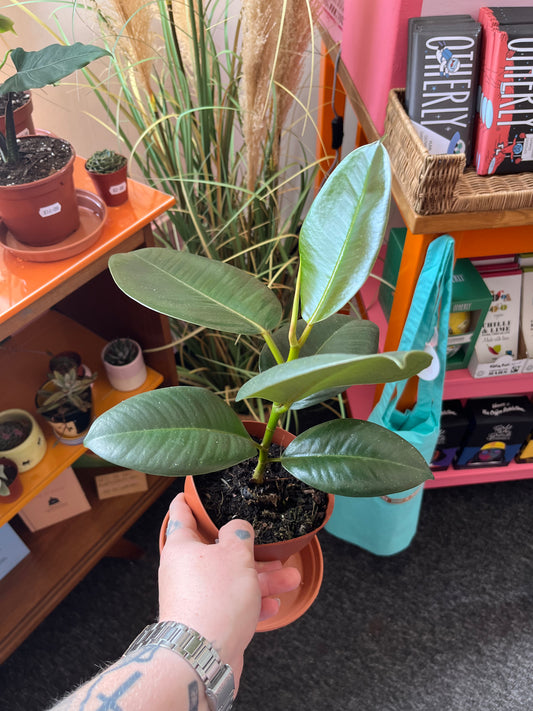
446 625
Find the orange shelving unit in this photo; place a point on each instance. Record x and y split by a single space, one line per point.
73 304
476 234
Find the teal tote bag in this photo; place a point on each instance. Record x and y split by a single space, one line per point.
386 525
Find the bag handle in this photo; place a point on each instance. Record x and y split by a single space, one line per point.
428 316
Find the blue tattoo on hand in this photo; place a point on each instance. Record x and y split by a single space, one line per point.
173 526
243 535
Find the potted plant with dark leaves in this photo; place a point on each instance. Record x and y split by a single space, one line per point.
38 200
189 431
65 401
124 364
21 439
10 484
108 171
21 100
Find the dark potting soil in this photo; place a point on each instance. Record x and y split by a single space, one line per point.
279 509
40 156
18 99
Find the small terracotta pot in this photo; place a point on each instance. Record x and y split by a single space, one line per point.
43 212
281 550
13 481
112 187
30 452
126 377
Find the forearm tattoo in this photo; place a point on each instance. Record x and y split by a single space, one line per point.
110 700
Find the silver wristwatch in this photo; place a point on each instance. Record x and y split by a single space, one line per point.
195 649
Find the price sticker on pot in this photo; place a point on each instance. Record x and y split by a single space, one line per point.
117 189
49 210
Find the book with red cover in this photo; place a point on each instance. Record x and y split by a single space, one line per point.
504 125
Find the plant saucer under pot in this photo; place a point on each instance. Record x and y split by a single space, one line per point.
303 552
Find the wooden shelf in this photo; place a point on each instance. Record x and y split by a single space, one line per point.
63 554
73 304
25 359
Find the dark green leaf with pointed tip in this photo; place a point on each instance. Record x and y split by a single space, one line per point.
355 458
171 432
49 65
197 290
343 230
290 382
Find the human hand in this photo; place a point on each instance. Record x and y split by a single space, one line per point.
218 589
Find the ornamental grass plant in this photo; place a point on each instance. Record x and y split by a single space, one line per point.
205 97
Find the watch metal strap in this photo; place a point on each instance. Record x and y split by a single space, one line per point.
199 653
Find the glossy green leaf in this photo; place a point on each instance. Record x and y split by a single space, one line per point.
337 334
289 382
197 290
355 458
171 432
49 65
343 230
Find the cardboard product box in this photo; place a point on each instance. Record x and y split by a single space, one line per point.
470 303
12 550
498 427
61 499
453 425
497 347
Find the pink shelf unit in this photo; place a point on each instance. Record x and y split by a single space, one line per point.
458 384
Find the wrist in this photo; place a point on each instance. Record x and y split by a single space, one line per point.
198 652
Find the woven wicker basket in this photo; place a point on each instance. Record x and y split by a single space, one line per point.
439 184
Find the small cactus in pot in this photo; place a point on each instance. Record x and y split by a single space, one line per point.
105 161
124 364
108 172
121 351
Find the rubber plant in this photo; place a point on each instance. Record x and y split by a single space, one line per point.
182 431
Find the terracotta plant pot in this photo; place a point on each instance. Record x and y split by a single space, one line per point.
23 119
31 450
112 187
129 376
43 212
13 482
281 550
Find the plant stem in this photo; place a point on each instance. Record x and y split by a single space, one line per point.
275 414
